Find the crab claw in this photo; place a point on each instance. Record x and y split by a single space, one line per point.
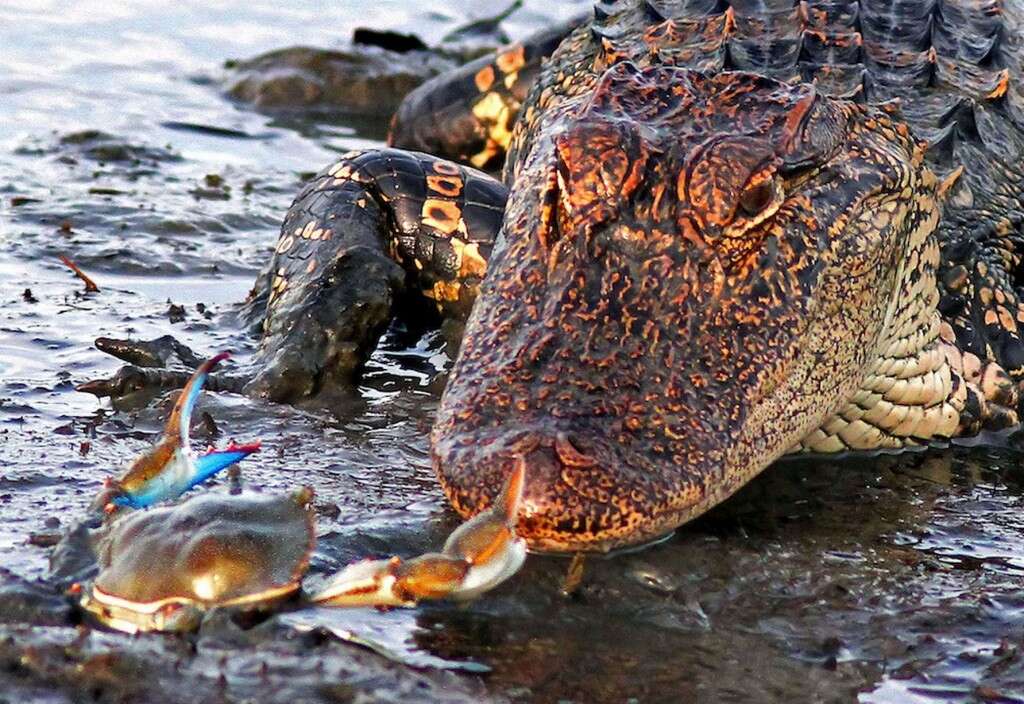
169 469
478 556
214 460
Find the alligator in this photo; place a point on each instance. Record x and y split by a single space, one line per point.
724 230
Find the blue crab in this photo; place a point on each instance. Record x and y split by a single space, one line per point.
161 569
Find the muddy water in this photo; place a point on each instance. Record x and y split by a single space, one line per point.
885 579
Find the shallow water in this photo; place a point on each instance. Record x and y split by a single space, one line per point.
878 579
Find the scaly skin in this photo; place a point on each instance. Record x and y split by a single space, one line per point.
696 300
724 233
697 274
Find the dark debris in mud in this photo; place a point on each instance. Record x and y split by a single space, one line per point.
90 285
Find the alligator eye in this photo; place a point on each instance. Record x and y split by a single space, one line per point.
756 198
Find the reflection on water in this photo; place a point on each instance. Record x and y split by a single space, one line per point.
884 579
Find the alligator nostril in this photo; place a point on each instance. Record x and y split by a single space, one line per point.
569 454
521 444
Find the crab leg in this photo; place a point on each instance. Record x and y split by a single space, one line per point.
169 469
478 556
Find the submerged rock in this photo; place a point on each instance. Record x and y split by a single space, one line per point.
100 146
360 80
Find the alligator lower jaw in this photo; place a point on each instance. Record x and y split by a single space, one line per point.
656 532
578 502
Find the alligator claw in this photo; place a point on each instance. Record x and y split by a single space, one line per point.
478 556
146 362
149 353
126 381
169 469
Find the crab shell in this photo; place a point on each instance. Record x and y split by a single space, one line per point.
161 569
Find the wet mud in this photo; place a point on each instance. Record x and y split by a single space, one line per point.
872 579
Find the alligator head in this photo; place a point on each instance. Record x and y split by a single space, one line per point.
694 272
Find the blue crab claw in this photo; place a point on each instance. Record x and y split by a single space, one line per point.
478 556
213 460
170 469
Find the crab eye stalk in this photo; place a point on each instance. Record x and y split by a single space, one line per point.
756 198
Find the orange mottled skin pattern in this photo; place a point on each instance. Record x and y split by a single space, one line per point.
697 269
725 230
623 343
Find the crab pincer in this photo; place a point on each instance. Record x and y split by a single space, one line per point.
478 556
169 468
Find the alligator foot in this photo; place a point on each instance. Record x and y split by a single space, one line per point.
147 368
478 556
989 396
155 353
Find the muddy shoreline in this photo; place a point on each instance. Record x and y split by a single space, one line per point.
871 579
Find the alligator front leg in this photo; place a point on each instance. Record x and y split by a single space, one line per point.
990 397
921 388
366 230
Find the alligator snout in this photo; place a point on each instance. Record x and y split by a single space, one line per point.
575 495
